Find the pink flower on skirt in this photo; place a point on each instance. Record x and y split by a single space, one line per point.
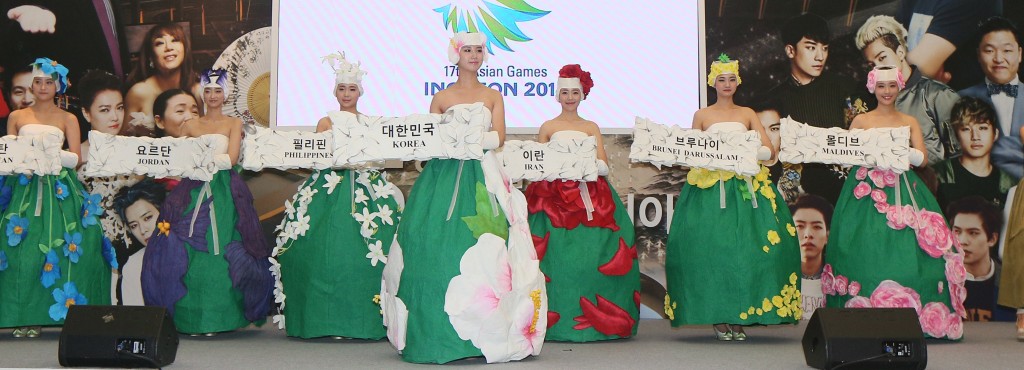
882 207
890 294
955 271
942 287
957 293
878 195
862 173
934 318
861 190
890 178
954 327
894 217
911 217
877 177
854 288
841 284
858 302
933 236
827 280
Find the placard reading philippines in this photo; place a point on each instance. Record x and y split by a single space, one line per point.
528 42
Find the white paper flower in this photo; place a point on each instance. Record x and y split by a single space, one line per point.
360 196
474 297
383 189
289 209
393 308
332 179
301 225
366 224
385 213
376 253
279 320
306 194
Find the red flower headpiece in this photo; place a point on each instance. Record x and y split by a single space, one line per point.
575 71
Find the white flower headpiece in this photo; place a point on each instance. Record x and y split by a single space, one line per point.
345 72
462 39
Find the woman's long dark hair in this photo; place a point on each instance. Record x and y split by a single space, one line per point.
145 69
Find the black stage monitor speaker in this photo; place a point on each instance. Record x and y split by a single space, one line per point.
117 336
865 338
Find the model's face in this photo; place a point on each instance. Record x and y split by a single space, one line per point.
213 97
348 96
141 217
181 109
999 55
878 54
44 88
471 56
106 112
969 231
811 231
977 139
808 56
570 99
771 121
726 85
169 52
886 92
21 91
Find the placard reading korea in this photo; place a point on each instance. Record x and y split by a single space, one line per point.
663 145
194 158
37 154
573 159
459 133
266 148
885 148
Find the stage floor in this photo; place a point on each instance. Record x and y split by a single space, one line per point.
987 346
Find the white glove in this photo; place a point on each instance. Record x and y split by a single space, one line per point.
490 140
916 157
222 161
33 19
68 159
764 153
602 168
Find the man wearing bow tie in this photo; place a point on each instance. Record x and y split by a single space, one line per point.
999 52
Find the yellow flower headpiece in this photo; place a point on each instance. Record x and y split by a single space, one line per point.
724 66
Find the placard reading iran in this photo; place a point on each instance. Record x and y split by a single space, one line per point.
662 145
573 159
456 134
885 148
36 154
195 158
266 148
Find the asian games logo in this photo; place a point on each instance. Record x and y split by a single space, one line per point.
498 22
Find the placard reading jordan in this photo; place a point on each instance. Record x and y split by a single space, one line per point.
653 68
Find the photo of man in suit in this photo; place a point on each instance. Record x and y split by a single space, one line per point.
999 52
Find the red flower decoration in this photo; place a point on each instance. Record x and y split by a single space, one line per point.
553 318
574 70
605 317
636 298
541 244
562 201
622 262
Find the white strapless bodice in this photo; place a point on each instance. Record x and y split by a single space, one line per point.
220 143
569 135
464 105
727 127
33 129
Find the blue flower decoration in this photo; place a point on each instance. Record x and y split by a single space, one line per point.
91 209
65 298
109 254
24 179
60 190
3 261
51 269
16 230
5 196
56 71
73 246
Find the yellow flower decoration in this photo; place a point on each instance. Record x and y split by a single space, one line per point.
720 68
777 301
376 299
791 229
670 308
760 312
765 249
766 305
763 176
535 297
704 178
751 310
792 278
165 227
773 237
743 316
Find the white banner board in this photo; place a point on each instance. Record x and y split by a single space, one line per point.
36 154
194 158
670 146
884 148
266 148
572 159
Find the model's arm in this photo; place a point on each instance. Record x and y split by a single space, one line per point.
323 125
917 139
73 135
235 140
498 118
595 131
755 124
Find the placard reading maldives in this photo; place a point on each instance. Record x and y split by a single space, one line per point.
194 158
574 159
886 148
652 66
37 154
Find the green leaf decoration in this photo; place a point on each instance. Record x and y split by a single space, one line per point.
724 58
485 222
8 217
24 206
70 227
44 248
57 242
